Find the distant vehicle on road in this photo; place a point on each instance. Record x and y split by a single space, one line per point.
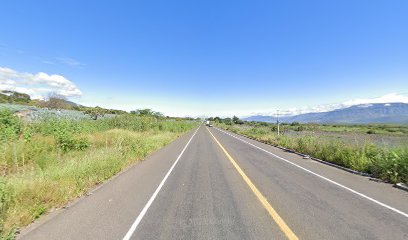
208 124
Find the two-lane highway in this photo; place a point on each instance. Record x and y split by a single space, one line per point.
211 184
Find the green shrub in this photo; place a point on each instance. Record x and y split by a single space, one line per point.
295 124
371 131
300 128
391 165
66 142
10 125
5 197
56 160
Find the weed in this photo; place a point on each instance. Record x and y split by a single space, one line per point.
46 163
385 162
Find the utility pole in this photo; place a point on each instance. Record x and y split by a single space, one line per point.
277 120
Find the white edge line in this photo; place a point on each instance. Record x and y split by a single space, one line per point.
146 207
322 177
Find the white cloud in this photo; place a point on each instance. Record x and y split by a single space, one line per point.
388 98
365 102
37 85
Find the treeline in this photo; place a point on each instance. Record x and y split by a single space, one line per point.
14 97
389 163
228 121
388 129
53 101
58 102
295 126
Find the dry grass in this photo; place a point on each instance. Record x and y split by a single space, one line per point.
37 175
385 162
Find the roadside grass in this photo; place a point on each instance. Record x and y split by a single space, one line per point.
382 129
384 162
44 165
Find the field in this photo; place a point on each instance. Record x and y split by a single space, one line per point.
33 113
47 162
380 150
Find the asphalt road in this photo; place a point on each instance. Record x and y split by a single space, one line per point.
211 184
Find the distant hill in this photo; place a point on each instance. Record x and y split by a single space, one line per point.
358 114
14 97
22 98
17 101
73 104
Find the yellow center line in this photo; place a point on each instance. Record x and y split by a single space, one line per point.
275 216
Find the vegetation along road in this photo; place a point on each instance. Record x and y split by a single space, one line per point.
214 184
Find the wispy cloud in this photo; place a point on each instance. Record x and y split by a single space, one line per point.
69 61
48 62
37 85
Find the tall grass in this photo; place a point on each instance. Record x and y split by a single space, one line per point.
387 163
45 164
385 129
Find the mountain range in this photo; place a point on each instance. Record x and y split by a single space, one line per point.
357 114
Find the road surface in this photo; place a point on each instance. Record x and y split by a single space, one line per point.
212 184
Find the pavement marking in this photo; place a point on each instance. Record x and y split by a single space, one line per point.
322 177
146 207
275 216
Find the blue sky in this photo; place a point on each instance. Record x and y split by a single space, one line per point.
209 57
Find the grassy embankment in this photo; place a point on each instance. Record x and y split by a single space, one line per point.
389 163
45 164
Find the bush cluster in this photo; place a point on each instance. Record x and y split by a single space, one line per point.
66 142
387 163
49 161
10 126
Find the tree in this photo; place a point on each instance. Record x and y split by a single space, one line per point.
295 123
236 120
95 112
158 114
217 119
144 112
147 112
56 101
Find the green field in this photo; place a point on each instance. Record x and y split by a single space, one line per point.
380 150
46 163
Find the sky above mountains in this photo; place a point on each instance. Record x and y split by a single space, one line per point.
189 58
